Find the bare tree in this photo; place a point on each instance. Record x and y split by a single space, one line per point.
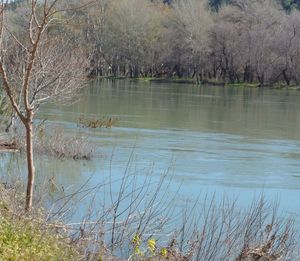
245 40
192 22
131 36
37 66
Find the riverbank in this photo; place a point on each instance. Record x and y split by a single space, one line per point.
30 237
203 82
230 234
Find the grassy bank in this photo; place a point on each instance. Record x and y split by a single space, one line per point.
30 237
21 239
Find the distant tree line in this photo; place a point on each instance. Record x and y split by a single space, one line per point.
215 5
220 40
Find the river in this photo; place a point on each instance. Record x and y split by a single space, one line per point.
219 140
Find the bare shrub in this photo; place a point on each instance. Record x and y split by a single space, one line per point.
143 207
210 230
60 145
54 142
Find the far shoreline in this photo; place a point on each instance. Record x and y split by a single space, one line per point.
278 86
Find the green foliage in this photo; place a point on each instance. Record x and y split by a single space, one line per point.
20 240
289 5
29 238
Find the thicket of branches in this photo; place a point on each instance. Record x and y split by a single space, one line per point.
141 221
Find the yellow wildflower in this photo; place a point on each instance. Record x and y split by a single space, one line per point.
164 252
152 245
136 240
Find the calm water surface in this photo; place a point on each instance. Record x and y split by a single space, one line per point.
237 141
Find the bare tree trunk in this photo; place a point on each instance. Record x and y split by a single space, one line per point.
30 165
285 76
